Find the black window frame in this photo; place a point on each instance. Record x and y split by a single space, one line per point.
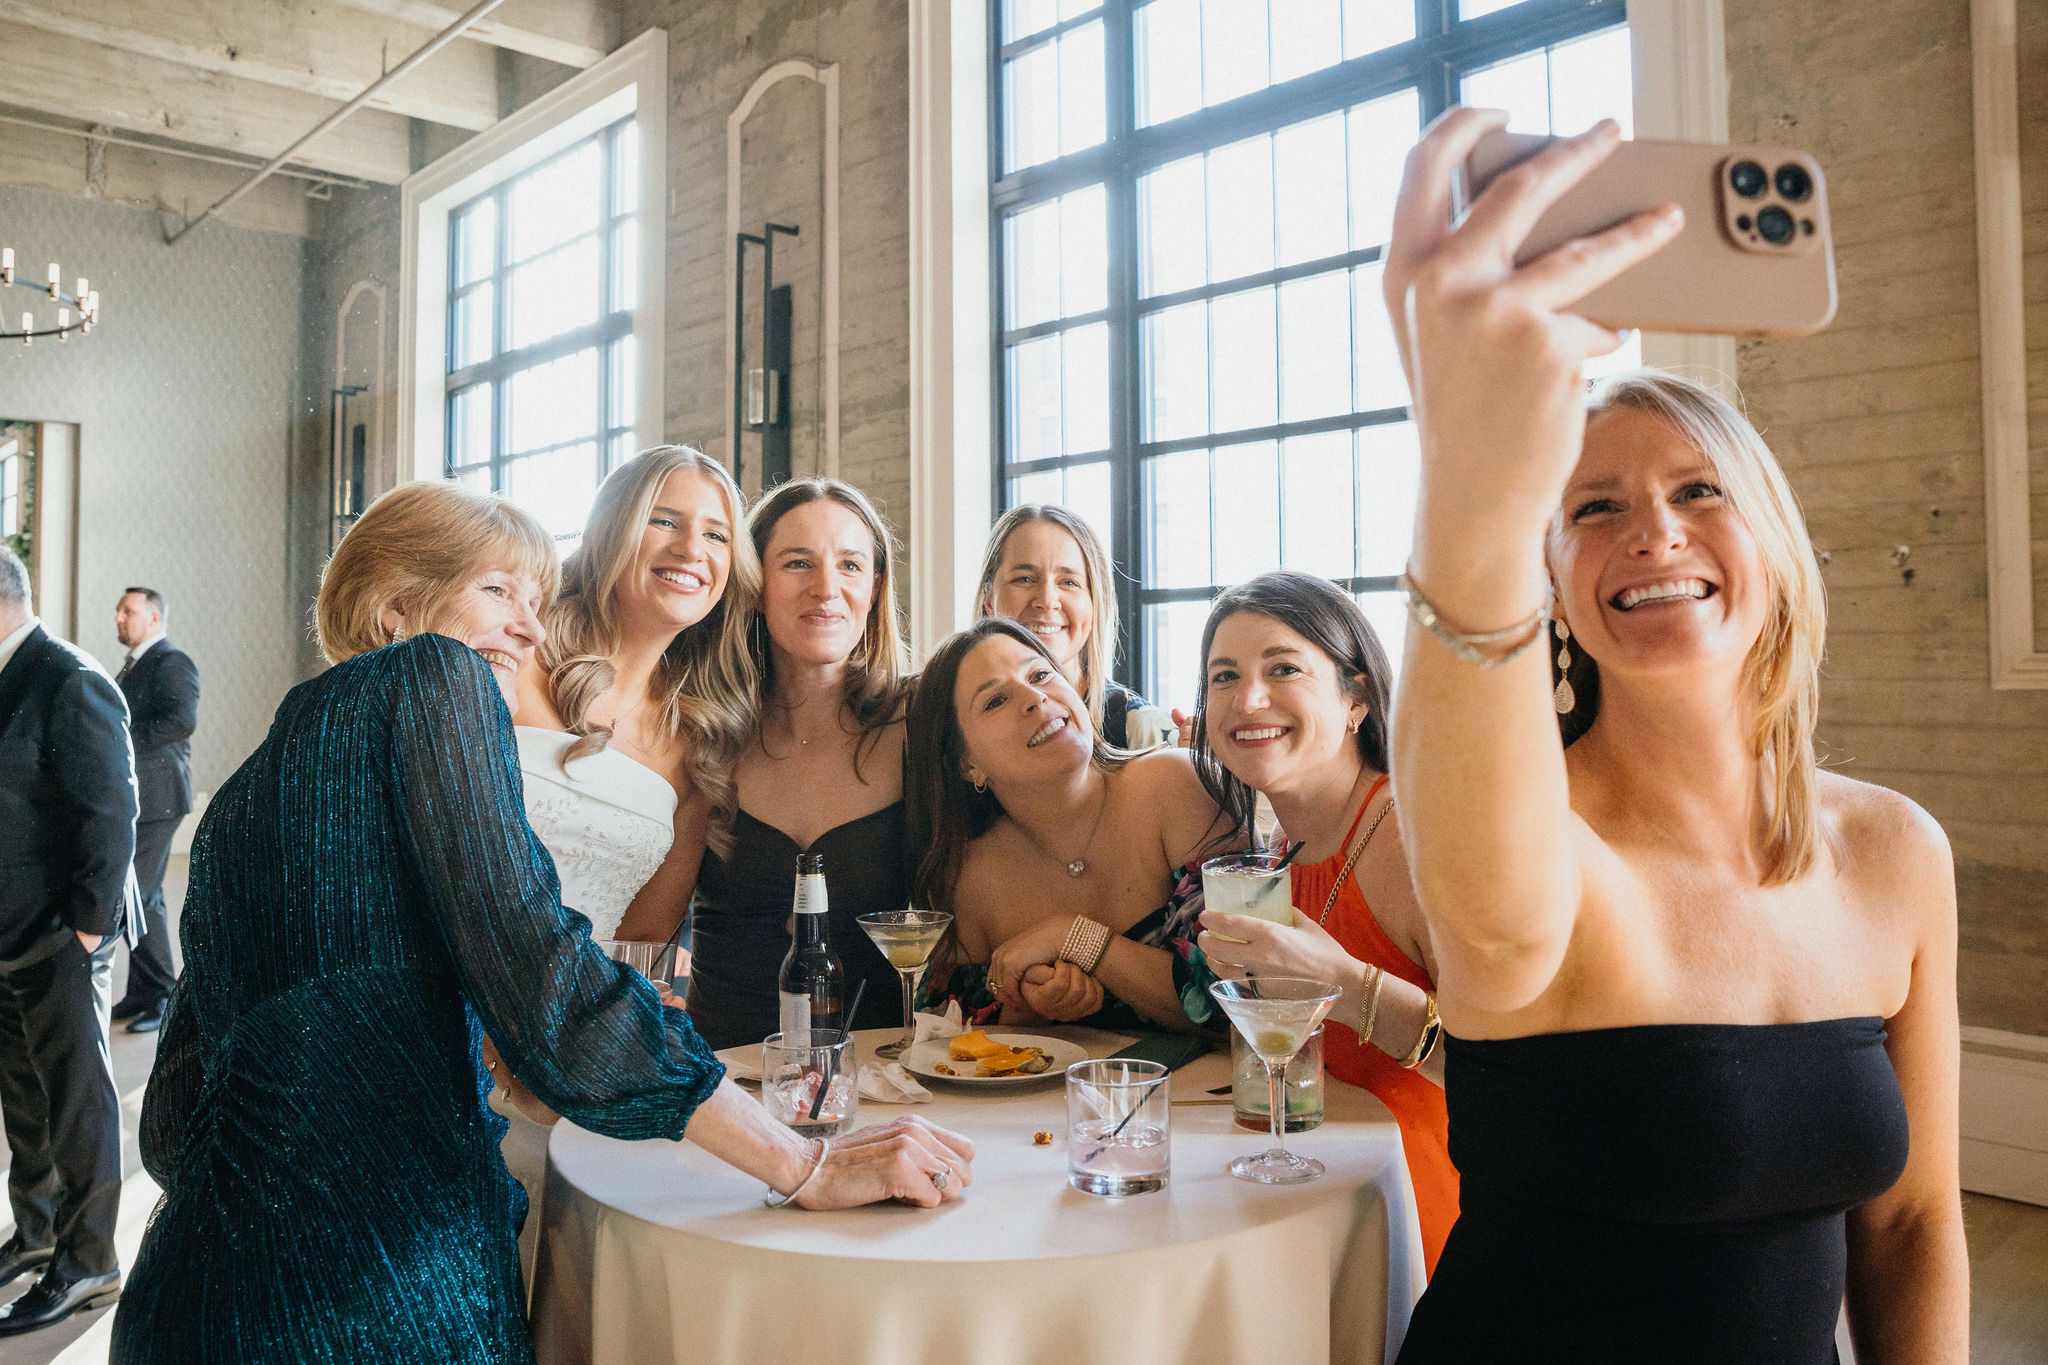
612 324
1444 50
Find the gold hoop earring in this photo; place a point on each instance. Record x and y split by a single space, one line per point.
1564 699
981 788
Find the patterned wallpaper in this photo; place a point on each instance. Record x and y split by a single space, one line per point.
185 399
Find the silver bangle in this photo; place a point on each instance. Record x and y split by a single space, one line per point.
1466 644
776 1201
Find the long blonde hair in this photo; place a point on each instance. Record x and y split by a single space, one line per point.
875 672
414 549
1782 673
1098 656
705 680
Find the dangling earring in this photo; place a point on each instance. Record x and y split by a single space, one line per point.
1564 698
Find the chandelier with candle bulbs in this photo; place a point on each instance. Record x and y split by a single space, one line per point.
76 311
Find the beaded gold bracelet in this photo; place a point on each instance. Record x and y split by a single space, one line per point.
1466 644
1085 945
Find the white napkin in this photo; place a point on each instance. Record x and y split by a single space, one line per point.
889 1083
947 1025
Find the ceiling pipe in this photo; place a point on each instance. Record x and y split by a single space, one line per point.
433 45
165 149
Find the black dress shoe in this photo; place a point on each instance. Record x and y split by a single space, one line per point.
15 1257
54 1298
149 1021
129 1008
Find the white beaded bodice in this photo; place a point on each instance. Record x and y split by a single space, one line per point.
607 822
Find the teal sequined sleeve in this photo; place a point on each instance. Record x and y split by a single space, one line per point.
366 900
588 1036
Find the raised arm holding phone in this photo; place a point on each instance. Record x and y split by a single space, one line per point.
1701 995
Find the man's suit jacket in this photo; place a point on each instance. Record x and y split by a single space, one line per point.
67 799
162 688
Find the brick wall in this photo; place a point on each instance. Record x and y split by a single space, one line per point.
717 48
1878 423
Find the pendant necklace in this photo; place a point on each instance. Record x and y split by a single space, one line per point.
1079 866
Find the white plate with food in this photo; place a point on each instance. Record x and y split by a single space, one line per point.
993 1059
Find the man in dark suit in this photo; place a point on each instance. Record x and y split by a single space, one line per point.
161 685
67 837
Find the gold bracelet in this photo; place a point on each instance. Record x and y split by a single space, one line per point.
776 1201
1369 1008
1466 644
1432 1026
1086 944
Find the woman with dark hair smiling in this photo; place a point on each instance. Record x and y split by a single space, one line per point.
822 771
1293 707
1063 863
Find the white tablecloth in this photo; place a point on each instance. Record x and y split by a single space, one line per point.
655 1252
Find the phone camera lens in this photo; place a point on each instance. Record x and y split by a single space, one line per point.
1775 225
1748 179
1793 181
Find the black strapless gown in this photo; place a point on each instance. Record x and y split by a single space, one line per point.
739 923
1671 1193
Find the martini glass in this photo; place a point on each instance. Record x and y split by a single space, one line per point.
907 938
1276 1014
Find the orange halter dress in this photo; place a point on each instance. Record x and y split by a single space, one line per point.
1417 1104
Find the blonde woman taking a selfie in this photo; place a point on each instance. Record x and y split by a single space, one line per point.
1700 995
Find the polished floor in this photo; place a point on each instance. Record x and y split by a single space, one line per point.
2008 1241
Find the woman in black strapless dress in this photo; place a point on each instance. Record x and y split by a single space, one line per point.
824 772
1702 1052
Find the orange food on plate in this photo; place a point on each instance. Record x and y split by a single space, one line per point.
970 1046
1028 1060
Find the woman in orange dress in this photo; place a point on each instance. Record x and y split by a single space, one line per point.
1294 708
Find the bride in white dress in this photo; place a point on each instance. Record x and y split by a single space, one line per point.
628 725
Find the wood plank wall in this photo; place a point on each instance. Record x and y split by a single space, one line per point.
1878 423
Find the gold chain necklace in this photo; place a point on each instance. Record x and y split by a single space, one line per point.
1079 866
1330 902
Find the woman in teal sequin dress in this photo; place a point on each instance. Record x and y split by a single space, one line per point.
367 899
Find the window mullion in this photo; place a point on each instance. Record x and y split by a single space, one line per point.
1120 205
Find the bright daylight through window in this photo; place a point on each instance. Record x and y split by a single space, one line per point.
1191 201
541 292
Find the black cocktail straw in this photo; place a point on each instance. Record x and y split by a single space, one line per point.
1118 1131
1299 845
845 1032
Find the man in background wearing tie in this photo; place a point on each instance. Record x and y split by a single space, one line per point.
161 684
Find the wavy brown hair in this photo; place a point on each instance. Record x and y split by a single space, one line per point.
876 671
942 810
705 680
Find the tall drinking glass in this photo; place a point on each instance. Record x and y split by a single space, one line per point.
1251 882
1276 1015
655 961
907 938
